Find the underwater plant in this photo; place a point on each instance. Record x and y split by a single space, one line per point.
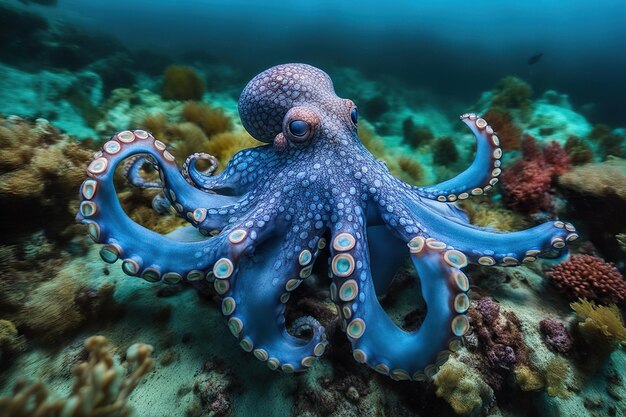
101 386
257 229
513 93
182 83
603 326
587 276
212 120
445 152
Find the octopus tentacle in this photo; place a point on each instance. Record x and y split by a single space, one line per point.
132 169
379 342
144 252
480 176
238 177
488 247
255 307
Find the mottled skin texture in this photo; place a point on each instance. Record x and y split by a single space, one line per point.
269 211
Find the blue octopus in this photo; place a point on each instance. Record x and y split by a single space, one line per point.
258 228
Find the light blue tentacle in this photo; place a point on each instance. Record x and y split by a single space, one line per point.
480 176
376 339
144 252
487 247
254 305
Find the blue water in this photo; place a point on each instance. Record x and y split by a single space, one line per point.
455 47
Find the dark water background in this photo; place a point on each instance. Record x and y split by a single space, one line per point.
458 49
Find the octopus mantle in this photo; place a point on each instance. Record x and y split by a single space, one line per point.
276 205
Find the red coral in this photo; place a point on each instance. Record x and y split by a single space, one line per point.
527 183
586 276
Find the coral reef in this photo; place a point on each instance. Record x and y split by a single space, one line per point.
182 83
212 120
272 209
39 170
462 388
528 182
101 386
555 335
499 340
587 276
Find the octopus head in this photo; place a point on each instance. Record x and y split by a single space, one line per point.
294 105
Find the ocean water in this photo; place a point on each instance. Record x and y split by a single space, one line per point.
376 329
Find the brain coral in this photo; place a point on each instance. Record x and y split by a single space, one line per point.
586 276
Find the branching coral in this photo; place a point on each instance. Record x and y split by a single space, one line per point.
182 83
101 386
586 276
212 120
40 170
462 388
527 184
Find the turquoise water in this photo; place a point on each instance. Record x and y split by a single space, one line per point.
549 78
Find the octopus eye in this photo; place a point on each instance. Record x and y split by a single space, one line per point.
298 128
354 115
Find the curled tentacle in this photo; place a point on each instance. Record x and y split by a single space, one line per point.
480 176
255 305
193 175
376 339
146 253
483 246
239 176
132 172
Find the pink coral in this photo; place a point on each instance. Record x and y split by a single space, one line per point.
586 276
528 182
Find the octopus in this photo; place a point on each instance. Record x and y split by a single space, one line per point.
312 191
